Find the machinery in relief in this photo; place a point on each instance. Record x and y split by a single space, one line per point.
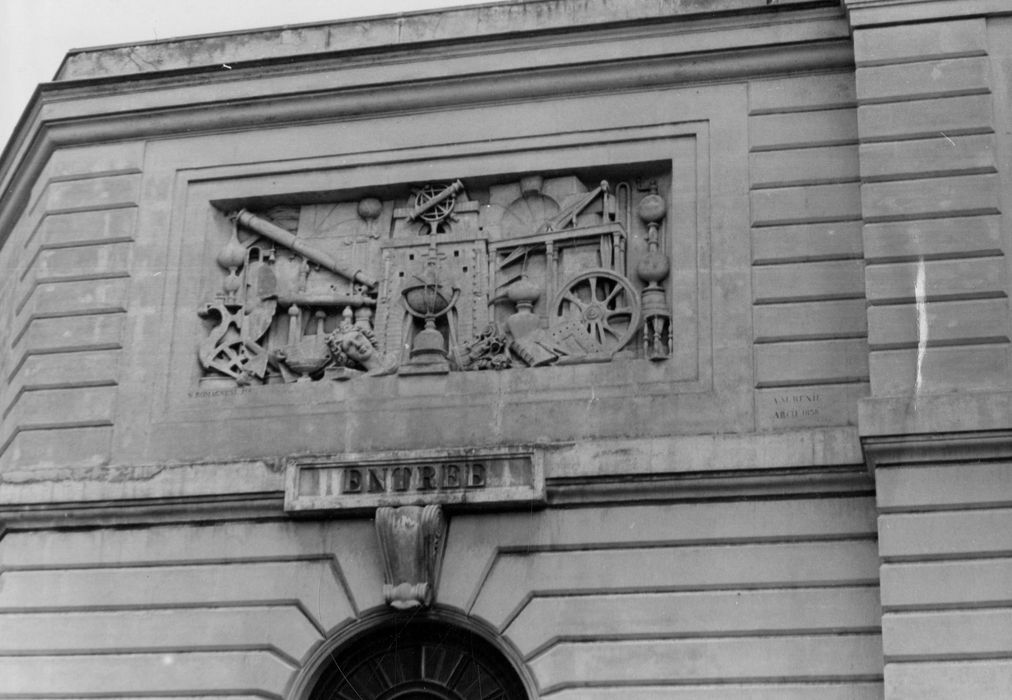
534 271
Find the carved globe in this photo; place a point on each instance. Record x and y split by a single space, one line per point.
652 208
370 208
426 299
654 267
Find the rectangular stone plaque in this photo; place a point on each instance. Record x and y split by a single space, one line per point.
809 406
458 478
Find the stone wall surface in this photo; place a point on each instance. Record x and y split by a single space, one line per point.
71 254
836 183
932 205
760 147
933 105
619 601
809 321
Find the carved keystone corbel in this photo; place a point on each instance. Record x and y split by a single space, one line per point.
411 541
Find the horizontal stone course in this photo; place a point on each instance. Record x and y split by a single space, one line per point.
909 42
928 78
79 261
139 675
810 281
55 449
942 279
283 627
791 94
958 583
777 658
939 680
803 166
689 567
917 119
979 320
831 127
810 320
840 690
931 197
313 584
709 613
806 242
944 486
86 226
961 533
799 205
92 193
811 362
942 635
939 369
936 156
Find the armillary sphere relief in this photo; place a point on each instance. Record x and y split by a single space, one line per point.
483 275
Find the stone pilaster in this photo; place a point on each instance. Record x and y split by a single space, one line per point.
936 430
936 274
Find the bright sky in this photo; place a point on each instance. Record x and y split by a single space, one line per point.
35 34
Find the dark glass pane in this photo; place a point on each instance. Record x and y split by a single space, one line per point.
418 660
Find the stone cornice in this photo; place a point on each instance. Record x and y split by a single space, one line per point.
154 511
735 485
870 13
824 461
476 23
69 114
935 414
912 450
936 428
807 482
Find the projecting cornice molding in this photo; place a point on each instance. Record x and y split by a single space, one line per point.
936 428
354 85
870 13
912 450
476 23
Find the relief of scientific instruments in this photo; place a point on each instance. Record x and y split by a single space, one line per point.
528 271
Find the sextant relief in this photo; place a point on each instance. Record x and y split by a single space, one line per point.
473 274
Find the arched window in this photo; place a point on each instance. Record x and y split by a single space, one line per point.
417 659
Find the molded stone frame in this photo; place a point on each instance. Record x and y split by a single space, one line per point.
314 484
189 183
681 147
318 660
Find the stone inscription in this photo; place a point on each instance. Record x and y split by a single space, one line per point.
319 484
796 406
422 479
216 393
779 409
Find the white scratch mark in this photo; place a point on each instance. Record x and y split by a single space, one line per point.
228 67
922 322
951 142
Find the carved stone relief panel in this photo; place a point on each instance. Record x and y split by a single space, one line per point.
479 273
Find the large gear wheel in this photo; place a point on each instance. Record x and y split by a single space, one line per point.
604 303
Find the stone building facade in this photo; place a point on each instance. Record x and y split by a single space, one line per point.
564 349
